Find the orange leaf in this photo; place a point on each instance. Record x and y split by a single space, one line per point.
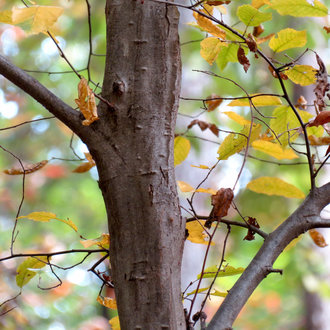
87 107
213 101
257 30
27 170
85 166
317 238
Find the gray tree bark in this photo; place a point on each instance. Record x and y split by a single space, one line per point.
134 157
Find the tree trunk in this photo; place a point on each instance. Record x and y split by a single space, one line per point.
132 145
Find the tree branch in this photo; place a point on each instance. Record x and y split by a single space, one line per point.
306 217
45 97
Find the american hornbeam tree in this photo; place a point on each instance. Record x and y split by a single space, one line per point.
130 135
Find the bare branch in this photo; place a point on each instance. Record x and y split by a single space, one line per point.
45 97
306 217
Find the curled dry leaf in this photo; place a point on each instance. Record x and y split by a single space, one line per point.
322 85
242 59
204 125
257 30
274 74
317 238
87 107
85 166
327 28
301 103
217 2
251 43
250 235
27 169
221 203
322 118
212 102
319 141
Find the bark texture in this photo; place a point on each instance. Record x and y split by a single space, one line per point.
132 147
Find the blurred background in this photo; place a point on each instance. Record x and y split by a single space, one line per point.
295 300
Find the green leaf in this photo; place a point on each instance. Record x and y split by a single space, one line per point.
46 217
198 291
287 38
24 272
303 75
300 8
275 186
285 119
226 55
234 143
251 16
210 272
181 149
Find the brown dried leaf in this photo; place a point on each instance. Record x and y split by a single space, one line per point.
257 30
250 235
301 103
217 2
319 141
204 125
322 118
251 43
317 238
27 169
322 85
212 102
242 59
327 28
221 202
87 107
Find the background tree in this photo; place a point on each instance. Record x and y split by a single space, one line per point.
130 139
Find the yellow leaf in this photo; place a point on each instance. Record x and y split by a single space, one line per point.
46 217
185 187
300 8
87 107
251 16
206 25
114 322
273 149
210 48
234 143
102 242
5 17
198 291
196 232
303 75
211 271
237 118
218 293
258 101
286 39
85 166
274 186
181 149
107 302
203 167
24 272
34 19
207 191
